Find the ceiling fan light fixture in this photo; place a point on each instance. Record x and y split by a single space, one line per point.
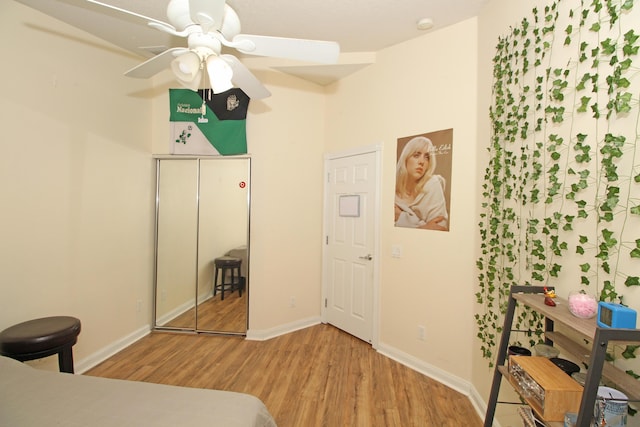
194 84
187 69
220 74
186 66
178 14
208 26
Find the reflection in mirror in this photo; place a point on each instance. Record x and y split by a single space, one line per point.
176 217
202 215
223 232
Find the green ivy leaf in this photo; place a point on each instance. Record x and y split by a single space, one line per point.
629 351
609 240
630 37
634 375
525 109
632 281
584 103
624 65
608 47
623 102
630 50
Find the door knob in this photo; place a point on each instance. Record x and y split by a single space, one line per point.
367 257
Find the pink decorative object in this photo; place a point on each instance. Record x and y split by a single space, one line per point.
582 305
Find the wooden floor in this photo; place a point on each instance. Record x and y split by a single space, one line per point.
318 376
215 314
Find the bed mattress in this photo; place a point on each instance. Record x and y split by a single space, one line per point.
34 397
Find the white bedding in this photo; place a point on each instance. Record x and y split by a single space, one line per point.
33 397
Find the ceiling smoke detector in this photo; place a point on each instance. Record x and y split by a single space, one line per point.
425 24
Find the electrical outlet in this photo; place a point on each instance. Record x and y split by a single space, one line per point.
139 306
292 302
422 334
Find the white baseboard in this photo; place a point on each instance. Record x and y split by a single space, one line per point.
162 320
411 362
266 334
451 381
101 355
256 335
427 369
480 405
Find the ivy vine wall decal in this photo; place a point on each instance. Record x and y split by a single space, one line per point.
561 193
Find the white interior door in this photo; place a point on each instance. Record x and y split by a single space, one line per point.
350 263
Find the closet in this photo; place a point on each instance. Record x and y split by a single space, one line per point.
202 213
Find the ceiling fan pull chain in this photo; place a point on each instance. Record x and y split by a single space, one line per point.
207 91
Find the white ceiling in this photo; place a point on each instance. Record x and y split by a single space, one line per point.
361 27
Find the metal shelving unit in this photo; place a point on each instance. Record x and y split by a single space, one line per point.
533 297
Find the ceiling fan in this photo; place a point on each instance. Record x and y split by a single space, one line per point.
209 25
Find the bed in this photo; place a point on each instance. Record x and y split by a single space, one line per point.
34 397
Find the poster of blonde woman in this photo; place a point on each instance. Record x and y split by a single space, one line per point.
423 181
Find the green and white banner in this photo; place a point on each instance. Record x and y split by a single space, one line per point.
205 123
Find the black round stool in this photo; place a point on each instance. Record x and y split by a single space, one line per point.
231 265
35 339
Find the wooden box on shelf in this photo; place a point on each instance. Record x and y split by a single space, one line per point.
546 388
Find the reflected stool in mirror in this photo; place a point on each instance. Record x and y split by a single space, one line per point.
228 267
38 338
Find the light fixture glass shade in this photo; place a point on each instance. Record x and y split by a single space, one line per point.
220 74
186 68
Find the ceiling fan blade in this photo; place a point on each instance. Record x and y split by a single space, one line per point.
122 13
245 80
156 64
280 47
208 13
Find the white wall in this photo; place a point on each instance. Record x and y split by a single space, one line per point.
496 20
423 85
78 224
96 259
285 137
75 182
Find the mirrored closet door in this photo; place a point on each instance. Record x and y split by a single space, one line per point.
202 244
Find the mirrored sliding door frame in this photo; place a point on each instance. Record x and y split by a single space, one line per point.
198 162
